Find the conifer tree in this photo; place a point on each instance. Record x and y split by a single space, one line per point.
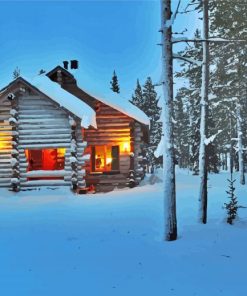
229 79
181 130
114 83
146 99
191 93
153 111
137 97
232 206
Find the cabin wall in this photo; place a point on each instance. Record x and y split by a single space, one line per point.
6 137
113 128
42 125
39 124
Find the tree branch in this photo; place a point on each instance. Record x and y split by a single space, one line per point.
186 59
185 39
212 138
176 12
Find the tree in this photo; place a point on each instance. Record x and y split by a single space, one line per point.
182 129
153 111
191 94
146 99
114 83
137 97
203 172
240 143
167 116
229 75
232 205
16 73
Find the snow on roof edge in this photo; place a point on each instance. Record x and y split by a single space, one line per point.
116 101
64 99
119 103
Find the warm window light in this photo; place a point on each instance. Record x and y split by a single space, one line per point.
4 145
61 151
108 160
126 147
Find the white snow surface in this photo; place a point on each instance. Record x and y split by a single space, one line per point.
56 243
65 99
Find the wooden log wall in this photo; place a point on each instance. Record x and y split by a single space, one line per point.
44 125
113 128
6 138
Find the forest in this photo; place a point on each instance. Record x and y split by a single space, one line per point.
204 120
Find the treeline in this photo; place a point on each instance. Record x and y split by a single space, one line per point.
227 107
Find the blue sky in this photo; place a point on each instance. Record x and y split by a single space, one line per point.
102 35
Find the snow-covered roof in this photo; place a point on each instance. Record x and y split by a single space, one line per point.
64 99
111 99
123 105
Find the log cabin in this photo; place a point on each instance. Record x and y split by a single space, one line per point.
53 133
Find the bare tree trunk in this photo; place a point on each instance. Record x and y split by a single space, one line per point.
231 143
167 114
240 144
203 198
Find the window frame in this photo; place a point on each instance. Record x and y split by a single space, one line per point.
104 170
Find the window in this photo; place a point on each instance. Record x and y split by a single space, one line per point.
45 159
104 158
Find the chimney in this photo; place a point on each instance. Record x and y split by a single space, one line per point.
66 65
74 64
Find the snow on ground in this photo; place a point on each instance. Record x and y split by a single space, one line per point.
55 243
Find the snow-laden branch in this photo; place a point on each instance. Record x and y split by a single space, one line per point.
186 59
185 39
212 138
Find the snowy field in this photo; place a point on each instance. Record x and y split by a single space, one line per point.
55 243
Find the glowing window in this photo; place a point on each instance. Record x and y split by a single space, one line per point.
104 158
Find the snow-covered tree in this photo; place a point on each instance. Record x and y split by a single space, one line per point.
191 94
229 76
167 117
114 83
203 169
152 110
146 99
181 130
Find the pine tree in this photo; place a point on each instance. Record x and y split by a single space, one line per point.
114 83
229 79
232 206
181 130
191 94
212 155
146 99
16 73
137 97
153 111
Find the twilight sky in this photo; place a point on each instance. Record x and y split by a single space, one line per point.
102 35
